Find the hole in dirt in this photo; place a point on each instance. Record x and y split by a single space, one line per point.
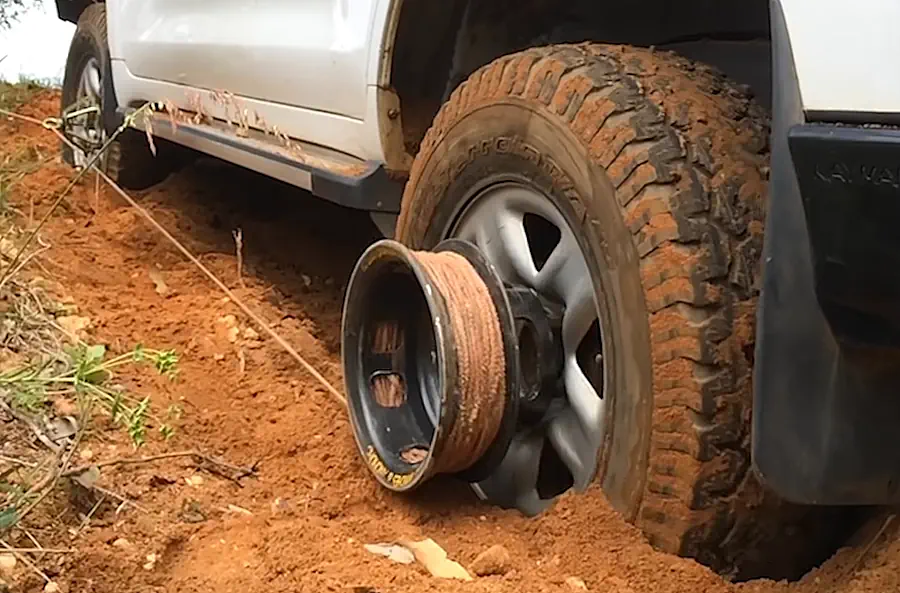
543 237
300 248
808 537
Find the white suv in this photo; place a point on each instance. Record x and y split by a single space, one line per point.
627 183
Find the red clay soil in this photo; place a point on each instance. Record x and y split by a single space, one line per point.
312 505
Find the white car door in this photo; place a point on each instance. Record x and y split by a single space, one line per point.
311 54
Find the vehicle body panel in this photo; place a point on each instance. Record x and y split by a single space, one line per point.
358 138
845 54
303 69
310 54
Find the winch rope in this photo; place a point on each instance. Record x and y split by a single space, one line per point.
481 361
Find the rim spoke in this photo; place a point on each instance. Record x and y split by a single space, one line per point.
580 314
514 482
502 238
564 270
582 396
89 83
577 432
94 81
574 446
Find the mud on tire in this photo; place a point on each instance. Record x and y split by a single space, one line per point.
128 160
684 153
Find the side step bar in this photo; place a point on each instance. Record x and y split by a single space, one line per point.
327 174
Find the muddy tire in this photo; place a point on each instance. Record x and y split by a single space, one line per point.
129 160
660 165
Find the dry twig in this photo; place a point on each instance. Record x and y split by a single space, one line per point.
242 472
871 543
24 419
40 550
87 518
239 247
24 560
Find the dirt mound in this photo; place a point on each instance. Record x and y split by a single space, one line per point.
301 522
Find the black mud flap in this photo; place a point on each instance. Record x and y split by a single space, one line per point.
826 415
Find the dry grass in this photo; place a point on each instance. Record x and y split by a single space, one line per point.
55 383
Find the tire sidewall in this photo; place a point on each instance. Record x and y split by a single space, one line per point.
513 137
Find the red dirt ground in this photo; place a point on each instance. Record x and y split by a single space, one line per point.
313 505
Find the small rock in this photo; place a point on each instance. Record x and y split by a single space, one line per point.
218 357
233 334
121 543
8 249
51 587
7 562
73 324
228 320
279 505
159 282
151 562
576 584
395 552
86 454
233 508
61 428
493 561
250 334
306 280
194 480
192 512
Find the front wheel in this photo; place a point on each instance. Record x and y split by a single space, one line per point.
627 186
88 91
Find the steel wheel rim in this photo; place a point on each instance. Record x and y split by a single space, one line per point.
87 130
494 219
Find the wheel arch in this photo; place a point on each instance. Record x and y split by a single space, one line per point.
428 48
70 10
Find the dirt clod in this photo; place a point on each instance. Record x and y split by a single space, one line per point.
495 560
192 512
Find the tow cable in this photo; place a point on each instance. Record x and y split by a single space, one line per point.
443 361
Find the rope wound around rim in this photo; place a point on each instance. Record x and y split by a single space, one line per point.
431 363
